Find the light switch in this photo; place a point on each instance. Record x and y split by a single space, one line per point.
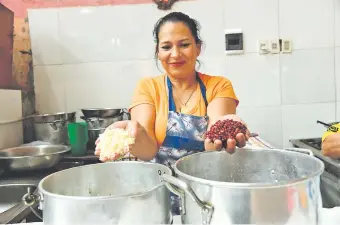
263 47
274 46
286 46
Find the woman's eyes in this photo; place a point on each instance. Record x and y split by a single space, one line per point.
168 47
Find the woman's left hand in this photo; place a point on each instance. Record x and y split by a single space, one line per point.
239 141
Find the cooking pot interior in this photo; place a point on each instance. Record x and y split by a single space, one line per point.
250 166
112 179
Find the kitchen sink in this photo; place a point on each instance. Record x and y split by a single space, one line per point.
12 208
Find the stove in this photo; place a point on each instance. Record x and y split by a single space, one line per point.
313 142
23 180
330 178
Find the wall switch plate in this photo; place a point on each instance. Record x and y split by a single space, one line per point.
264 47
274 46
286 46
233 41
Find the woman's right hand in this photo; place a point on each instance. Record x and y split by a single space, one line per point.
134 129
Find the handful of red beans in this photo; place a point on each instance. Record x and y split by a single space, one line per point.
225 129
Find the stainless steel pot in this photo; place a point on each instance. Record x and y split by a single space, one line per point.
25 158
102 112
123 192
248 187
96 122
93 136
97 126
52 128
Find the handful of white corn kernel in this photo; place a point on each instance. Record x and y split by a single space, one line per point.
114 143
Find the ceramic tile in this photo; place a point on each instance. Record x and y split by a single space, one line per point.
337 23
118 37
337 111
256 79
265 121
308 23
109 85
337 73
299 121
258 20
10 102
307 76
49 82
212 65
45 44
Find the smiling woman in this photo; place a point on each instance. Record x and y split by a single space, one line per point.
171 113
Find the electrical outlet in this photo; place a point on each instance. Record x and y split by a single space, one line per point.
263 47
286 46
274 46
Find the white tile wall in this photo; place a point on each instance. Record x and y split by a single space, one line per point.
89 56
337 23
308 76
337 111
266 121
309 23
45 40
299 121
49 85
337 73
258 20
248 73
105 85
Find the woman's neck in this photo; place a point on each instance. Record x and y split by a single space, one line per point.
183 83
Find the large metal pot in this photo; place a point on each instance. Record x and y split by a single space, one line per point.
123 192
248 187
52 128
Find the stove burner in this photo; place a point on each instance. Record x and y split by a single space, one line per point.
313 142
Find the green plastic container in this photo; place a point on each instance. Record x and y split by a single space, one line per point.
78 136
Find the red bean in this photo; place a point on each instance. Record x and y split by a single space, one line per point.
225 129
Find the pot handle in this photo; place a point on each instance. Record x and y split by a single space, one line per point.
180 188
32 199
300 150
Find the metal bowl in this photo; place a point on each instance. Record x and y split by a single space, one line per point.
25 158
51 118
102 112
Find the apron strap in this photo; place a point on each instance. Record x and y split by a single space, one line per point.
172 105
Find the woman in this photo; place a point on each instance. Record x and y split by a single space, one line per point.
170 113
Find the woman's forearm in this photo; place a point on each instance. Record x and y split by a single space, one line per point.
146 147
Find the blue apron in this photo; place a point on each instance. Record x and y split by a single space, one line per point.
184 136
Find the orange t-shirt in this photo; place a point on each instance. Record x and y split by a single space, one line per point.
153 91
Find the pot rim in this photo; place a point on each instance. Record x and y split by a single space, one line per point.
250 185
53 114
107 197
100 109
